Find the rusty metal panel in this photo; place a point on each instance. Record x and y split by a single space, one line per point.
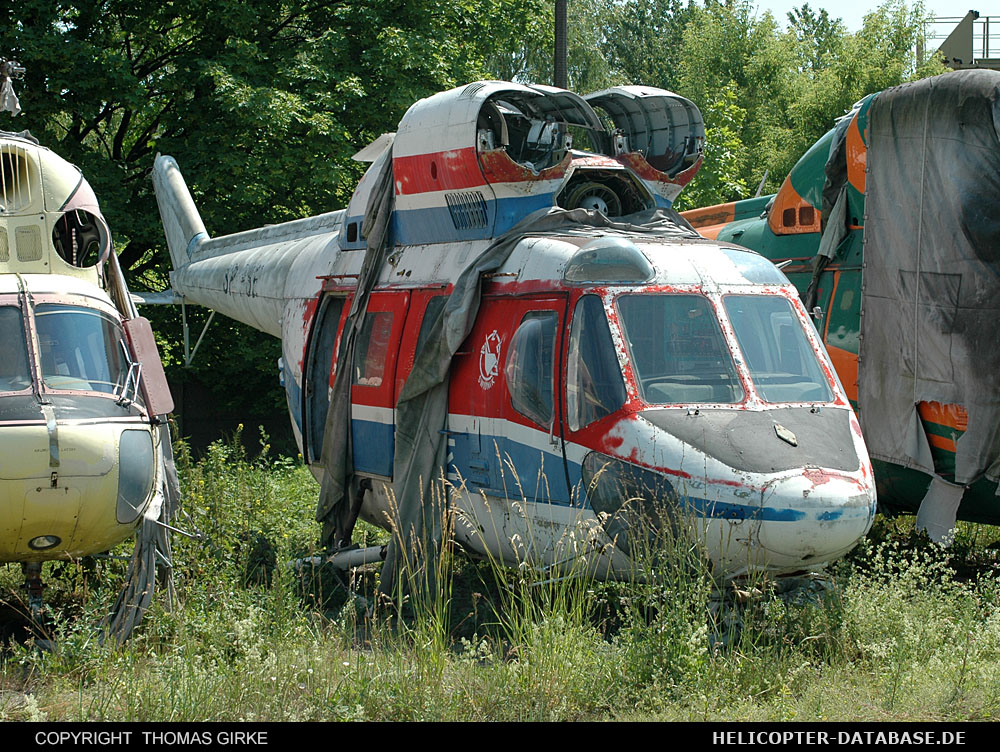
154 381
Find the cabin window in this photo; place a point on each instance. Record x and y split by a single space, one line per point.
638 502
594 386
783 364
529 369
678 352
14 372
80 349
352 232
372 349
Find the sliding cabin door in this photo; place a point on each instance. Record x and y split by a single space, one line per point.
319 373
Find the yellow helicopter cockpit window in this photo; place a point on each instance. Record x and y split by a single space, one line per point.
81 349
15 374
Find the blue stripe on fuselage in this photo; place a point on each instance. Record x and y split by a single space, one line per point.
373 445
484 463
435 225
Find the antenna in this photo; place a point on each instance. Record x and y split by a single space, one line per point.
761 186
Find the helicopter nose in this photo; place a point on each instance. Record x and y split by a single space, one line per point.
817 517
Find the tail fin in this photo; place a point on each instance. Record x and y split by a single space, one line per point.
181 221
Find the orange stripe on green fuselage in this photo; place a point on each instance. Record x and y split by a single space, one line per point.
711 217
846 365
943 425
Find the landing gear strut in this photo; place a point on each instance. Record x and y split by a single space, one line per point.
34 585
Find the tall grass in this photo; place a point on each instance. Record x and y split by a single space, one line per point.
899 631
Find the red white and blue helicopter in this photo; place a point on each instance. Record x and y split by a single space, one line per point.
533 320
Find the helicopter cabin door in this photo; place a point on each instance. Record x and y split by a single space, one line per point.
319 373
504 403
373 383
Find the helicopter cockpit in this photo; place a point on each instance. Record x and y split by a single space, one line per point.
80 349
683 343
66 345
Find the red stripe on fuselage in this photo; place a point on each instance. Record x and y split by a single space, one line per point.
453 170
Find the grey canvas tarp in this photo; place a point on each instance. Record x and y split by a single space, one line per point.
931 282
421 413
340 493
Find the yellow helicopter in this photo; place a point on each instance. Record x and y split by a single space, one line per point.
85 456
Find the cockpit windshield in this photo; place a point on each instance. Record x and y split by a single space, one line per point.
783 365
15 374
678 351
681 356
80 349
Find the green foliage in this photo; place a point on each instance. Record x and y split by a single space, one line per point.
726 155
644 40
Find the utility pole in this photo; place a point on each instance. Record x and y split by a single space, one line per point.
560 75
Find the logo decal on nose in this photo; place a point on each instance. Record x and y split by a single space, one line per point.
489 360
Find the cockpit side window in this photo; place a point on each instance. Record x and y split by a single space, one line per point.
783 365
15 374
529 370
678 352
594 386
77 238
80 349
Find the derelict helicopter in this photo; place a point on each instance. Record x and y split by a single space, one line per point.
535 321
888 228
86 460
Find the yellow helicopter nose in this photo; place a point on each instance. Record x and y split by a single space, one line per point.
70 504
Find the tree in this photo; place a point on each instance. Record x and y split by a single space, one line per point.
529 58
262 104
791 84
721 176
818 37
644 39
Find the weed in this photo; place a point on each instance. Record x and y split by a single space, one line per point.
900 630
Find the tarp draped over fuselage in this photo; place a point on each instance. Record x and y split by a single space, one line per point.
931 296
421 413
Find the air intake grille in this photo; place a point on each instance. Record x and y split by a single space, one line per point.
468 210
15 178
4 246
470 91
29 243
